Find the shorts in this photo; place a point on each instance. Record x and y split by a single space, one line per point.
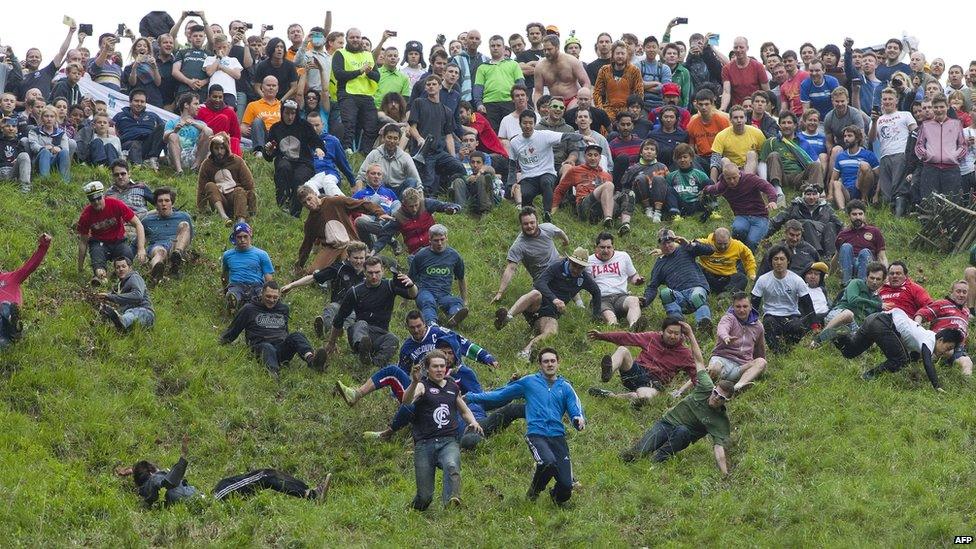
731 370
591 211
546 310
613 303
167 246
637 376
834 312
188 156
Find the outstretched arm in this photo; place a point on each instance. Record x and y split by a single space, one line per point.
59 58
720 460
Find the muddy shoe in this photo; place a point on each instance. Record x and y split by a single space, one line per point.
606 368
348 394
318 360
599 393
501 318
319 326
113 316
365 351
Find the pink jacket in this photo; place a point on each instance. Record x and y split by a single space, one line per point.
749 340
941 144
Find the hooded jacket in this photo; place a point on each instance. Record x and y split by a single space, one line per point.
294 141
230 168
748 342
39 139
823 229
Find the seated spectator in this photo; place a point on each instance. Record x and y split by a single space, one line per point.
187 137
721 267
858 244
49 145
223 69
595 197
98 145
225 183
68 86
646 179
481 189
624 146
220 118
744 193
104 69
685 188
667 134
434 269
399 170
245 269
15 161
140 131
787 162
612 270
858 300
855 170
685 286
101 232
415 218
820 223
474 122
11 299
901 292
291 144
671 93
385 198
814 277
143 72
168 234
785 300
704 126
327 167
128 303
802 253
265 327
740 143
261 114
812 139
137 196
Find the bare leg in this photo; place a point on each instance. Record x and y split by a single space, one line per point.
970 275
839 193
752 163
529 302
865 182
632 304
966 364
545 327
203 147
609 317
158 256
750 371
641 393
830 165
621 360
182 237
173 151
604 193
219 206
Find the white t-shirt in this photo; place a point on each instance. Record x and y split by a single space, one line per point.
225 80
509 126
611 275
911 333
893 130
780 296
534 155
819 301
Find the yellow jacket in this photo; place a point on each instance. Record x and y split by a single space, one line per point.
724 263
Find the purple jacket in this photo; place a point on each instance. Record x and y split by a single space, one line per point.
749 343
941 144
745 198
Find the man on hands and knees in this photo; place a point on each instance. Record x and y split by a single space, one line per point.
548 397
662 355
686 288
265 327
951 312
700 413
558 284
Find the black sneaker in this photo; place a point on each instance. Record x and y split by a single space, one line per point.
176 262
365 351
319 326
841 341
156 273
606 368
624 229
705 326
608 222
547 217
870 374
640 325
501 318
629 455
322 490
532 494
318 360
112 315
457 318
599 393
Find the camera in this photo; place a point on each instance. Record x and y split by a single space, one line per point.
682 21
248 26
897 82
268 27
120 30
86 28
193 14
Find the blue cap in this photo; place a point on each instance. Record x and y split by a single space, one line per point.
240 227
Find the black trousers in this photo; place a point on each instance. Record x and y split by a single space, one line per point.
288 176
144 149
718 283
358 114
495 112
782 332
248 483
650 191
552 461
273 354
496 421
877 329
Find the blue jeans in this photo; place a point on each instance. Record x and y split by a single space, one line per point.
750 229
428 305
678 302
62 160
428 455
849 264
408 183
258 135
664 440
138 315
101 153
438 171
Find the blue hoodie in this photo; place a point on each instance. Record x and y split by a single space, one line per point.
334 159
545 403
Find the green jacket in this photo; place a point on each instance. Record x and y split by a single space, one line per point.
681 77
858 299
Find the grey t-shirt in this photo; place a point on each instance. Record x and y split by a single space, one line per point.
536 252
834 125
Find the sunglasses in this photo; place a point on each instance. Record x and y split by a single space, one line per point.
720 395
94 198
557 107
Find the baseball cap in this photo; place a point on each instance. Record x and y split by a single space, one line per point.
670 89
666 235
594 147
9 121
289 104
552 29
94 190
240 227
580 256
819 266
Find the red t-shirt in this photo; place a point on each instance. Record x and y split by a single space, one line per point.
946 314
908 297
868 236
745 81
789 92
107 224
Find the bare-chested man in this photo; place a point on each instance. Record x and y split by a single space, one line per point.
562 73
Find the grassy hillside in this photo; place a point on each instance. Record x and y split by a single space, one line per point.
819 457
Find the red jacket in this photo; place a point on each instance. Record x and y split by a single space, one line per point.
908 297
10 281
659 361
488 141
415 229
946 314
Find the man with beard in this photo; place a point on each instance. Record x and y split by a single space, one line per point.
356 83
600 120
858 244
290 144
221 118
562 73
534 248
616 82
529 59
225 183
329 224
855 169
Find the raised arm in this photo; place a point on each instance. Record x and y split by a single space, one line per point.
59 57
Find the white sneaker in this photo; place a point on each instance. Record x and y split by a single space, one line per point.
656 218
649 212
524 356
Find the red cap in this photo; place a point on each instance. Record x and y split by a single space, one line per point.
671 89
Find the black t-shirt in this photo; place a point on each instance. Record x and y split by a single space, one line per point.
286 74
342 275
9 149
259 324
371 305
600 120
244 82
435 412
40 79
593 68
432 119
528 56
167 85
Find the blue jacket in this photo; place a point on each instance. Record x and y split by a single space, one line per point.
413 351
384 197
545 404
334 159
130 128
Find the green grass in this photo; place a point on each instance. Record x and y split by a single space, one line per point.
819 457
